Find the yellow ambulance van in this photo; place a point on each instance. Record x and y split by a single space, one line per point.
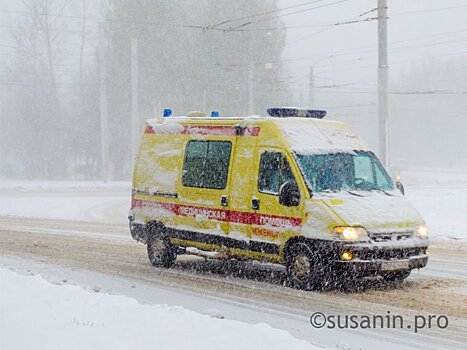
289 188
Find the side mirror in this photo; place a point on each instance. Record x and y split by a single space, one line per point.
400 187
289 194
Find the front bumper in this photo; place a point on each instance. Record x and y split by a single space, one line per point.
373 261
378 267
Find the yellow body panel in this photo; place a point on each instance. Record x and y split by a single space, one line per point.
159 167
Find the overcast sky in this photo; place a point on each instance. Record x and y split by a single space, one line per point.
417 30
344 57
342 54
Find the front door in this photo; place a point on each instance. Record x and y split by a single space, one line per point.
257 217
275 222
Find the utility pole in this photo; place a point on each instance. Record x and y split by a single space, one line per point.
103 113
311 89
134 98
383 82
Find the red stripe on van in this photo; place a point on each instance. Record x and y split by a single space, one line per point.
223 215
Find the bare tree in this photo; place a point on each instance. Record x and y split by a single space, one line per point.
33 102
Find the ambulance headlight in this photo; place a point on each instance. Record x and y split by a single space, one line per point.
351 233
422 231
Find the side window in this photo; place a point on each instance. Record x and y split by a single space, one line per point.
206 164
274 170
193 166
217 164
269 170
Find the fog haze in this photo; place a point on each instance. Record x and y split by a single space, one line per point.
237 58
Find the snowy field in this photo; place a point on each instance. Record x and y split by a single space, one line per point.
88 201
38 314
440 196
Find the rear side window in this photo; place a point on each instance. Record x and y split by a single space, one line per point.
274 170
206 164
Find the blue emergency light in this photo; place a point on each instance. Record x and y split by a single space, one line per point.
167 112
214 114
284 112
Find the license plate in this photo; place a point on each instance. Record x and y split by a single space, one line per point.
395 265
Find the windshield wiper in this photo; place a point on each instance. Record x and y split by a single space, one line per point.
381 190
354 194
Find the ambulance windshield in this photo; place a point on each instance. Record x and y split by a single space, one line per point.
334 172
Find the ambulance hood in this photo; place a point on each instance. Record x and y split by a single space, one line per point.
376 211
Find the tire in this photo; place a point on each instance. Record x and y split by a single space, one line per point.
161 252
307 269
396 276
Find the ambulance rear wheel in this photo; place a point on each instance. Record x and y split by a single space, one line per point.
161 252
306 268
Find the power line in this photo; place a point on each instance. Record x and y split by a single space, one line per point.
406 61
106 19
284 15
56 30
350 106
353 19
396 50
42 83
428 10
259 14
417 92
209 27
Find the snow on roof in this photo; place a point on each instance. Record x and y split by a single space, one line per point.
308 135
304 135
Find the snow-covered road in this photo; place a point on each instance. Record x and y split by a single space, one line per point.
103 256
78 232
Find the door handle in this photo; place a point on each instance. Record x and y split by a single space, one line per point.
255 203
224 200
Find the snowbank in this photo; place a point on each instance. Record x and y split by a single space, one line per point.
441 197
73 200
35 314
59 186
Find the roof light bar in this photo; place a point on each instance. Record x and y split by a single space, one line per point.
284 112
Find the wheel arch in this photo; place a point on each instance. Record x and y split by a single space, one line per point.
155 227
325 248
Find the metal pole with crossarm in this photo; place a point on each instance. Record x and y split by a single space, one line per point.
134 98
383 82
103 109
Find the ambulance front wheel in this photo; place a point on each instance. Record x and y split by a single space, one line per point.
161 252
307 269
